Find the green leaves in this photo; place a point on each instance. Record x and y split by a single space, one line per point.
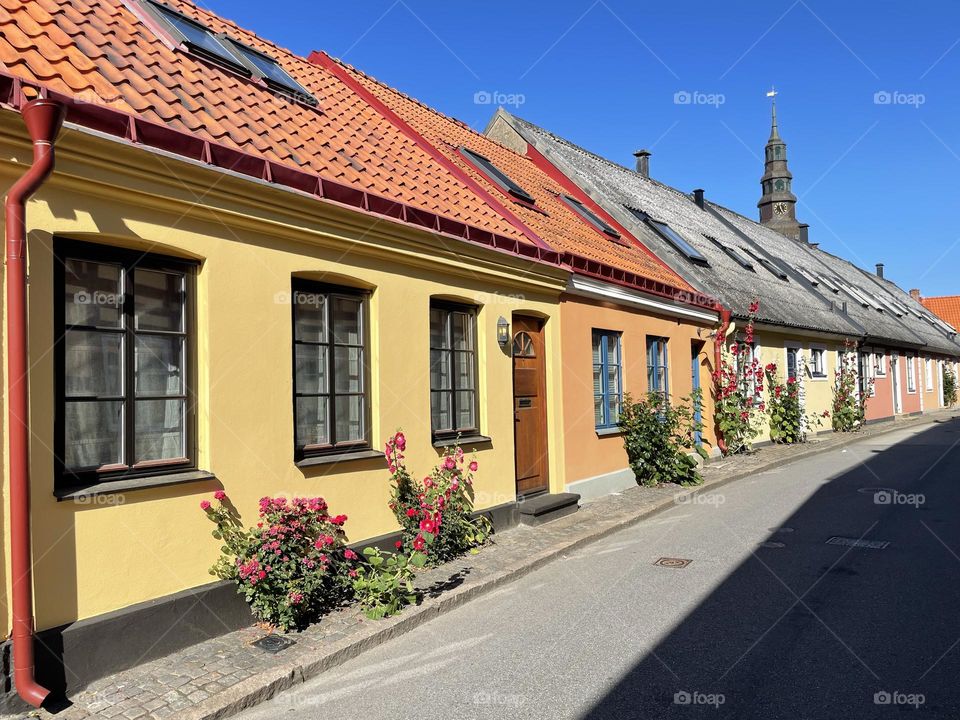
383 583
657 436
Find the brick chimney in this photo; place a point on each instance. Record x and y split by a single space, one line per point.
915 294
880 271
643 162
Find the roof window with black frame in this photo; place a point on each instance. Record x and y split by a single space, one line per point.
671 236
496 175
732 253
225 51
774 270
269 70
580 209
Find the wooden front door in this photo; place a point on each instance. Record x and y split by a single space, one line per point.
529 405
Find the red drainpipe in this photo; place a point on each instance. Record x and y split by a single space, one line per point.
721 335
43 119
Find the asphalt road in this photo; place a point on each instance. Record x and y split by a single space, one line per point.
768 621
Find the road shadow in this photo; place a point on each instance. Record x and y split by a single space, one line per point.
805 629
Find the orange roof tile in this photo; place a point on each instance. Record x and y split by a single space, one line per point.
551 219
946 307
101 52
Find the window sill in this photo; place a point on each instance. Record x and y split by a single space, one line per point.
464 440
609 432
335 458
80 493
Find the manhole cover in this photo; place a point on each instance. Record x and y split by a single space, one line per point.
772 544
874 491
676 563
782 530
273 643
857 543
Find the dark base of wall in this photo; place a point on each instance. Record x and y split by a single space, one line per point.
70 657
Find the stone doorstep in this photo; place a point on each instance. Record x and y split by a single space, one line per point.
592 523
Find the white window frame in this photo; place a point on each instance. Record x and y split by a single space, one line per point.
928 373
820 350
911 374
880 367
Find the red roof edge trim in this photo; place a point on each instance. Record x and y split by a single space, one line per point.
321 59
601 271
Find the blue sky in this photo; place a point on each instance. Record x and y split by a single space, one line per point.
868 104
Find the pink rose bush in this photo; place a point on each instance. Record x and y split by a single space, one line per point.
290 565
436 511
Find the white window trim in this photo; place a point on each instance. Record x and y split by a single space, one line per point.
826 370
928 373
881 368
911 361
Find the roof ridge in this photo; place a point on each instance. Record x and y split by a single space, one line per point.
422 104
601 158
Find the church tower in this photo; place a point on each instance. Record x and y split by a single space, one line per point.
778 205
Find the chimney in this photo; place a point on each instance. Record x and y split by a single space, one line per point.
804 233
698 198
915 294
879 270
643 162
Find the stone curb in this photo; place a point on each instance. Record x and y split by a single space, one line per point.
269 684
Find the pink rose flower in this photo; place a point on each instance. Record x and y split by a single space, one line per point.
204 505
220 495
473 466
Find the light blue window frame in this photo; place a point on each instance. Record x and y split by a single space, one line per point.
607 367
658 366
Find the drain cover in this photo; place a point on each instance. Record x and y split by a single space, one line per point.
856 543
772 544
675 563
874 491
273 643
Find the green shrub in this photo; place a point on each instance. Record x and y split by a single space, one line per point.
658 438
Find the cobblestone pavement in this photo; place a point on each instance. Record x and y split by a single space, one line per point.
224 675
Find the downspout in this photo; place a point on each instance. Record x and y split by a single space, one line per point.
43 119
718 340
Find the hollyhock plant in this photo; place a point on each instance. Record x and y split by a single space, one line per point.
290 564
849 399
437 510
737 386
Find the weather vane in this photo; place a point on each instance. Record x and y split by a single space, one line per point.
772 93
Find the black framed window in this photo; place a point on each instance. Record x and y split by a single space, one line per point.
495 174
580 209
453 370
330 374
124 364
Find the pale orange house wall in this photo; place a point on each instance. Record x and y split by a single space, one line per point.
911 400
586 454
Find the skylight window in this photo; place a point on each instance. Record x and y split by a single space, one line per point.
811 278
195 36
269 70
226 51
672 237
496 175
828 284
774 270
587 215
732 253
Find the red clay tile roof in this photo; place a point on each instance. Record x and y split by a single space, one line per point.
103 53
554 221
946 307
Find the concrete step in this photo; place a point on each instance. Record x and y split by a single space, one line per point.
543 508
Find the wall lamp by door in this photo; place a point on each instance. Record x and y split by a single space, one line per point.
503 332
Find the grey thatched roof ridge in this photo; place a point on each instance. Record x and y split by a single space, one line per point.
793 303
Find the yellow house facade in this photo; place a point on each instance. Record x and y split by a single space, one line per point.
244 248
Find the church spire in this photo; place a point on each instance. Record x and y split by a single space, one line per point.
777 203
